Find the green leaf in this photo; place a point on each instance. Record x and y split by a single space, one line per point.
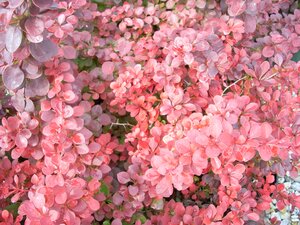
101 5
104 189
139 217
296 57
145 3
13 208
106 222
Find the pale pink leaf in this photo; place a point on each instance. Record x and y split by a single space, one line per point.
123 177
13 77
13 38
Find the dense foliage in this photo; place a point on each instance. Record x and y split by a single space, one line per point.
148 112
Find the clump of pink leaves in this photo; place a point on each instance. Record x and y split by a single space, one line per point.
147 112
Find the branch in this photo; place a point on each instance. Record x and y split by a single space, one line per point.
233 84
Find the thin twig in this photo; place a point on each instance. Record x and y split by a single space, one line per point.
121 124
268 78
233 84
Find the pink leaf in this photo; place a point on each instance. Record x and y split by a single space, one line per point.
69 52
255 130
93 204
163 186
21 141
265 153
278 59
266 130
268 51
123 177
236 8
265 67
82 149
108 68
215 127
253 216
61 197
182 146
34 26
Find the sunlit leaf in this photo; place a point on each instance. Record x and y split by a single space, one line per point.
13 77
13 38
35 39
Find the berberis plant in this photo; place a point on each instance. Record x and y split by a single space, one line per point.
148 112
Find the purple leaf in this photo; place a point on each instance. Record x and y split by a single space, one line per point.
29 106
13 77
44 50
34 26
37 87
32 70
13 38
69 52
43 3
34 10
18 100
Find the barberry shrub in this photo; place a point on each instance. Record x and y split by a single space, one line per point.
148 112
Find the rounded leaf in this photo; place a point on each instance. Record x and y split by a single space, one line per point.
13 38
69 52
44 50
13 77
34 26
43 3
35 39
37 87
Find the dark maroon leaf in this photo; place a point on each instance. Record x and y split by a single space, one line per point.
43 3
13 38
44 50
13 77
34 26
34 10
